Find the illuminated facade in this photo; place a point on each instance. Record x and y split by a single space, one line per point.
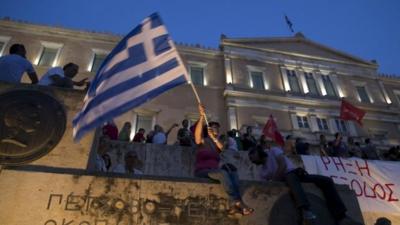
296 80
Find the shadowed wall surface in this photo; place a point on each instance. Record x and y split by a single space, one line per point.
49 196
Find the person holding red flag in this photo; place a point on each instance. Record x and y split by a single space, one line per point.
271 130
350 112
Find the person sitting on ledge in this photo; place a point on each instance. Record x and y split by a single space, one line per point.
208 160
14 65
62 77
132 163
277 167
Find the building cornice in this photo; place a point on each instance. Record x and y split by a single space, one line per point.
198 50
307 102
59 32
303 56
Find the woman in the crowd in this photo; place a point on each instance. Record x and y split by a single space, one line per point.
208 161
124 134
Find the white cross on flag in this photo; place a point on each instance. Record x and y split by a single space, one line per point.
143 65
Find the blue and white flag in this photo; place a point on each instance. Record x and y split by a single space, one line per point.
143 65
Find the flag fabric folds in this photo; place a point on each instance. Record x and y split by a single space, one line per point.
144 64
350 112
271 130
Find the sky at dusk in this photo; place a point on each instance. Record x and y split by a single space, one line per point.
365 28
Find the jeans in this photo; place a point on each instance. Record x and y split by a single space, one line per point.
229 181
333 200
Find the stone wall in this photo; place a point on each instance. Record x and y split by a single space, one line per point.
54 196
174 160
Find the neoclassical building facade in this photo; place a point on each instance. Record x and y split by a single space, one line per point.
298 81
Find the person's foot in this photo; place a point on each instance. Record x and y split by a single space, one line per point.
308 217
245 210
348 221
234 212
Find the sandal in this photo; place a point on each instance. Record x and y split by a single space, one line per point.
234 213
246 211
243 209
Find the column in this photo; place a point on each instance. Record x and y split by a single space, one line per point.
285 79
336 85
332 126
384 92
352 129
302 81
295 124
228 70
320 84
232 118
313 123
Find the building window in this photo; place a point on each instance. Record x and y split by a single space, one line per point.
197 75
257 80
362 93
330 91
302 121
144 122
293 81
341 126
48 56
97 61
312 86
322 124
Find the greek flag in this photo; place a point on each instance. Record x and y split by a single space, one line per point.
143 65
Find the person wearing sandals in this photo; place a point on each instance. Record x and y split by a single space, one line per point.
208 161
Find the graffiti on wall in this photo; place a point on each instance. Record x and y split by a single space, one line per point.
128 207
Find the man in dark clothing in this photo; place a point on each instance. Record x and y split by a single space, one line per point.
277 167
248 140
184 135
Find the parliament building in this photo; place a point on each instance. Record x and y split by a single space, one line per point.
244 81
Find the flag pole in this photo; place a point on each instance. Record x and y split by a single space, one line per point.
189 79
198 98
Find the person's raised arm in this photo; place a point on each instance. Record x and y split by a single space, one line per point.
34 78
198 131
170 129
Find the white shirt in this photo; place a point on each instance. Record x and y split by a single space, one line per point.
269 169
232 144
46 80
159 138
13 67
100 164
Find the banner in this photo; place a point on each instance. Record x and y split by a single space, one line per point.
376 183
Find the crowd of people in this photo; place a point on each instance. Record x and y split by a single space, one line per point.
14 65
216 153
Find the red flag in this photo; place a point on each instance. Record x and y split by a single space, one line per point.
350 112
271 130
